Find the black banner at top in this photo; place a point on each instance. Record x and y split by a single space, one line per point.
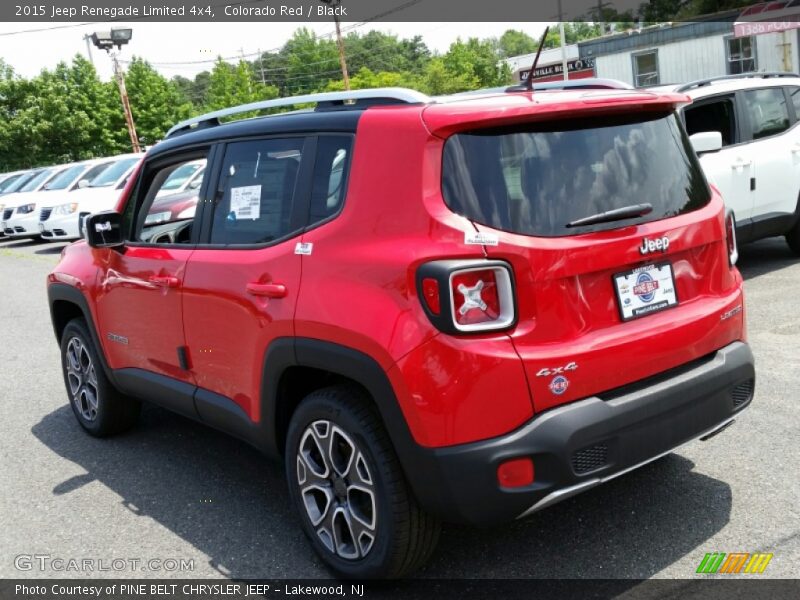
635 11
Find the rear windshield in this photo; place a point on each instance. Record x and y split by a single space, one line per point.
538 179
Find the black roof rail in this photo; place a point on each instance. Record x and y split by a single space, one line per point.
354 99
754 74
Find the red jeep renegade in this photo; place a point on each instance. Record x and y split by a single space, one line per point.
461 309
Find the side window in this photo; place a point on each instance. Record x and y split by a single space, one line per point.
715 115
331 168
767 111
645 69
256 191
165 218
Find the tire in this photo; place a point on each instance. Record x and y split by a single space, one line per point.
354 503
99 407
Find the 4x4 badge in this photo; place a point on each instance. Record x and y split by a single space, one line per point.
546 372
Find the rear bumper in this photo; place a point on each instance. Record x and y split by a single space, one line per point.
582 444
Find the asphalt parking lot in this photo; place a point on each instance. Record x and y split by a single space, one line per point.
172 489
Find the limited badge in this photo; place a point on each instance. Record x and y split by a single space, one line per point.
559 385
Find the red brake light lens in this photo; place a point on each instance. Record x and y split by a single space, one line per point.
730 237
430 292
475 297
515 473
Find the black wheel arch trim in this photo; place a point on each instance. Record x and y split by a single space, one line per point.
420 470
62 292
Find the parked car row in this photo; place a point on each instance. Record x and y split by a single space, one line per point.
51 202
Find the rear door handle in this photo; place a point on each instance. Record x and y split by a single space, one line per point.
267 290
796 149
167 281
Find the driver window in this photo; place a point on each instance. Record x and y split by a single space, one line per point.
169 205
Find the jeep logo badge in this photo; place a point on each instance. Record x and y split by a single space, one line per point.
650 246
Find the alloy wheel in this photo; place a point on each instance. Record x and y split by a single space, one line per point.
82 379
337 490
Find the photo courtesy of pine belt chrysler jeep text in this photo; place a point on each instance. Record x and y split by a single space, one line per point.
458 309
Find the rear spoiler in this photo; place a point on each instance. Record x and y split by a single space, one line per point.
445 118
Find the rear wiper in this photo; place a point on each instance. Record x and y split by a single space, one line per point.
616 214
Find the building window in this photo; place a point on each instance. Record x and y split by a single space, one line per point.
741 54
645 69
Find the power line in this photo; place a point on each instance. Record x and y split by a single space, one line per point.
329 34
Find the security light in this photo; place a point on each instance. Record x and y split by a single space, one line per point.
105 40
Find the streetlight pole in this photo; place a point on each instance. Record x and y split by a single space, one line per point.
106 41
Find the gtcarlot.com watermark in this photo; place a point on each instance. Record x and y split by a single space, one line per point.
48 562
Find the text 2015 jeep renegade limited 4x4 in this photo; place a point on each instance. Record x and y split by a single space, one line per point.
460 309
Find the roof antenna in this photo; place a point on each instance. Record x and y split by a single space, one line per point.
529 82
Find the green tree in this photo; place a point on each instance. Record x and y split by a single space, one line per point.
573 32
515 43
366 78
476 61
156 103
308 62
232 85
61 115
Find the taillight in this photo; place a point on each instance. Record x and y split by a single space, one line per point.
730 238
463 296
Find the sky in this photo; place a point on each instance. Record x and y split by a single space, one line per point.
29 53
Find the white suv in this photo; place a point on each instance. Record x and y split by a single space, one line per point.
746 129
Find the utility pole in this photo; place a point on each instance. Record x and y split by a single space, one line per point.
261 65
339 42
564 65
107 40
87 38
126 105
600 6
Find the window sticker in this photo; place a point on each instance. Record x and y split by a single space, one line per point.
246 202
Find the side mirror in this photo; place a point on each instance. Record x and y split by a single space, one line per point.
195 184
104 230
706 141
83 183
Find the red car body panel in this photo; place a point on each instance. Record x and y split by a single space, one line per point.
228 330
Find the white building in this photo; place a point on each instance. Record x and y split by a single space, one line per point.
680 52
674 52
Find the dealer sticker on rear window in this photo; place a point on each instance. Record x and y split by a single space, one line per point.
645 291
